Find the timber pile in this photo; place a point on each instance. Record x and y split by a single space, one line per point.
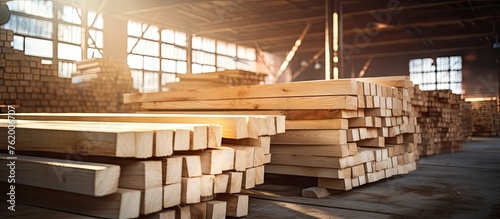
485 118
36 87
467 121
217 79
326 122
440 118
176 165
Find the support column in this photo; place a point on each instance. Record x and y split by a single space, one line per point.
189 53
115 39
333 40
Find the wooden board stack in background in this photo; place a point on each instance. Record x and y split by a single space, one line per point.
485 118
440 119
467 119
35 87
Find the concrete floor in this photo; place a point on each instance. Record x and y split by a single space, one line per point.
460 185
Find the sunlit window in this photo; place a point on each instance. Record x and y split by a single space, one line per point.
441 73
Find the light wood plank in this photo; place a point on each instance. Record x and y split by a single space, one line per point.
311 137
172 195
191 190
322 102
309 88
317 124
309 171
319 150
94 179
237 205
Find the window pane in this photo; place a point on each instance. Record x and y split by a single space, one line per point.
66 69
151 63
168 65
98 38
196 42
70 33
456 88
69 52
456 63
180 38
251 54
416 78
137 79
152 32
181 67
34 7
168 36
443 86
37 47
93 53
18 43
135 61
167 78
443 77
242 52
209 68
456 76
197 68
443 63
70 14
29 26
151 82
98 22
208 45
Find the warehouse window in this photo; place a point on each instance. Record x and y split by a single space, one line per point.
441 73
155 55
35 23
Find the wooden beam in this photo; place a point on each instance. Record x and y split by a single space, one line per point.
309 171
295 89
94 179
237 205
234 126
311 137
317 150
124 203
260 53
327 102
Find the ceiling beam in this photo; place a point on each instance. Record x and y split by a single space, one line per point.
263 21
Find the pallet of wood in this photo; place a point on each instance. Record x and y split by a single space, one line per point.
325 123
440 119
485 118
127 165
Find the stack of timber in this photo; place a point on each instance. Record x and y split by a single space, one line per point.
217 79
326 121
31 86
131 165
485 118
440 118
467 124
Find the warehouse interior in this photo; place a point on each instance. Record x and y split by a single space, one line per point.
250 108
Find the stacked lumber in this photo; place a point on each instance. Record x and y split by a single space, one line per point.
217 79
440 118
485 118
36 87
326 122
467 121
179 164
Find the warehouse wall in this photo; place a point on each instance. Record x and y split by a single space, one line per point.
479 69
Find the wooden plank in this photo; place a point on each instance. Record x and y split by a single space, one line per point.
94 179
183 212
262 141
207 185
317 124
311 161
199 210
191 166
390 81
172 195
124 203
235 182
312 137
309 171
172 170
191 190
321 102
27 212
220 183
237 205
318 150
248 178
259 175
373 142
249 153
337 184
165 214
319 114
309 88
216 209
259 156
213 161
235 126
214 136
151 200
361 122
115 143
